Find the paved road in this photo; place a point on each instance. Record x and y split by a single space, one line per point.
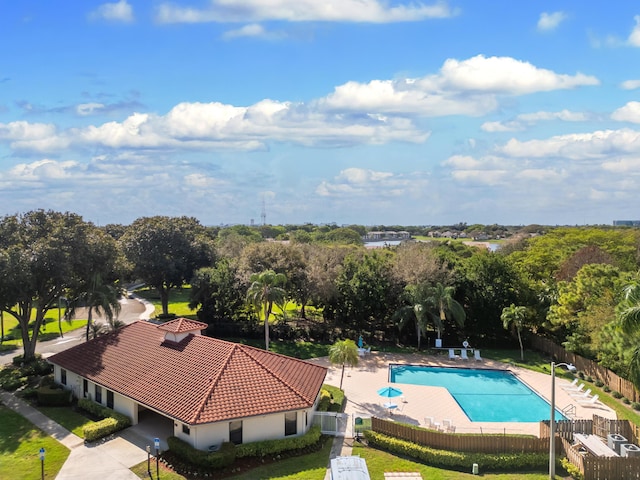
133 309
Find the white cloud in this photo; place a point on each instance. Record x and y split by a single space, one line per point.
120 11
629 165
522 121
200 180
42 170
630 84
360 182
85 109
629 113
253 30
370 11
550 21
634 37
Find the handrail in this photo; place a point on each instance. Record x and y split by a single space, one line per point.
569 411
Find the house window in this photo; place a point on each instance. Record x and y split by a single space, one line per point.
85 387
235 432
290 423
109 399
185 429
98 394
63 376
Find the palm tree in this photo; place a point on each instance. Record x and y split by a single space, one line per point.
446 307
98 296
628 313
516 316
344 352
417 310
264 292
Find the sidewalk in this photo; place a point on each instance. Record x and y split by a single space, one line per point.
109 460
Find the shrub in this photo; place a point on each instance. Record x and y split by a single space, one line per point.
220 459
274 447
581 375
636 405
459 460
598 383
626 401
616 394
54 397
588 378
111 421
606 388
325 401
571 469
11 379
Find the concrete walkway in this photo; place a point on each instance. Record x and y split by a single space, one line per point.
108 460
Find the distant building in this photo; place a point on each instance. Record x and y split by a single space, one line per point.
626 223
386 235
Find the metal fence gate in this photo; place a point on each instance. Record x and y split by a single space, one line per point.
332 423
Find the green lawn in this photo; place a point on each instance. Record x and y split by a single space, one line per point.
49 331
68 418
20 442
178 301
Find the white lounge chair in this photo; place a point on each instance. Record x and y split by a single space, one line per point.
587 402
447 425
580 395
476 355
463 354
452 354
573 390
571 386
429 422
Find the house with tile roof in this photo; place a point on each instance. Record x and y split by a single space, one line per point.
214 391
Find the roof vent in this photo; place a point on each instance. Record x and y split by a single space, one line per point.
180 328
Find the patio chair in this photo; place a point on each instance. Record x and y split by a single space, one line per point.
476 355
463 354
571 386
452 354
587 402
579 395
429 422
577 389
447 425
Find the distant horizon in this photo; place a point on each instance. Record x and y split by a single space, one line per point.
344 111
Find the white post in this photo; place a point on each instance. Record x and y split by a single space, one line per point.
552 425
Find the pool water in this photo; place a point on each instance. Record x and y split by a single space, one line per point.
484 395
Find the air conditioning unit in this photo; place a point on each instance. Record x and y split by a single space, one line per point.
614 440
629 450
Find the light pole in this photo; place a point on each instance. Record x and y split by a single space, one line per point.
552 423
149 461
42 462
156 443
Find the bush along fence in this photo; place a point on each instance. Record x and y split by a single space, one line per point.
589 367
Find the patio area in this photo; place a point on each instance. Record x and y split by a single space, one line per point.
362 383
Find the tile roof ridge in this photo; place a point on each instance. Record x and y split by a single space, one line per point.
274 374
212 384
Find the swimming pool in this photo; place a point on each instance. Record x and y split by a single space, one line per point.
484 395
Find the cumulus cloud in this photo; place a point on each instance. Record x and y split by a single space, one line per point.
630 84
253 30
370 11
629 113
550 21
634 37
525 120
357 182
120 11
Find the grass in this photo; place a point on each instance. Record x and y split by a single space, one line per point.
20 442
48 332
379 462
67 417
178 301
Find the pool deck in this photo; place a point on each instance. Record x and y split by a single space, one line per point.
362 382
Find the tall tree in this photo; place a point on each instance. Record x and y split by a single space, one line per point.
344 352
446 307
264 291
166 251
515 317
628 313
42 253
217 293
416 310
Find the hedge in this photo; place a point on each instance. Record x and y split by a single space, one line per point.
224 457
54 397
488 462
273 447
111 421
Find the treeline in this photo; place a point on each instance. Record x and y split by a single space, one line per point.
574 285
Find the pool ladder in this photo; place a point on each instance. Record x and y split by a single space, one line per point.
569 411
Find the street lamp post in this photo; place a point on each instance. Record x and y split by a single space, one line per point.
156 443
42 463
149 461
552 423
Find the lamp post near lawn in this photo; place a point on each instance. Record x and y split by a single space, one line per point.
149 461
552 423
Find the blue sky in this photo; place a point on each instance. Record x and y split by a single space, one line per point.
346 111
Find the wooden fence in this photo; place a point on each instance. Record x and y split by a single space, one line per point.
589 367
602 468
493 443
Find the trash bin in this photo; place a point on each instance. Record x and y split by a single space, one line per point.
629 450
614 440
475 470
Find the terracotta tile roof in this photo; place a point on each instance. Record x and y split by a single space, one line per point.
198 380
181 325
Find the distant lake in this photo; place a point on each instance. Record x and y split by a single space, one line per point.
382 243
